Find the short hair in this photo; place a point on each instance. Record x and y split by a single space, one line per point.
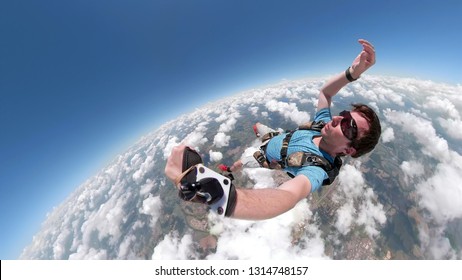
369 140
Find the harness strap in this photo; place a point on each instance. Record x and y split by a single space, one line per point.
317 126
285 147
299 159
261 159
269 135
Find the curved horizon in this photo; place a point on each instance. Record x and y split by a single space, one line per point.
80 82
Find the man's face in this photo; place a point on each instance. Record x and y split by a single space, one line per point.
353 123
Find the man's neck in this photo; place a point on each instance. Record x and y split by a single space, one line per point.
322 145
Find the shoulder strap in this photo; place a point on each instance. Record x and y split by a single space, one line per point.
285 147
313 125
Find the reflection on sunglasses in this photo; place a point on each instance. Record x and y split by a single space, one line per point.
348 125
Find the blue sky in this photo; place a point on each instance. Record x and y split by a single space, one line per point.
80 81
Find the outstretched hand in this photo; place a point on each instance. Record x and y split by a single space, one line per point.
364 60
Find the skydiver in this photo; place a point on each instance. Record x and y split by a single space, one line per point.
310 155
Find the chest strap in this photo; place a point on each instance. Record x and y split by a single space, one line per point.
309 159
299 159
317 126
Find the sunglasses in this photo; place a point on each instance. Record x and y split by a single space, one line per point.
348 126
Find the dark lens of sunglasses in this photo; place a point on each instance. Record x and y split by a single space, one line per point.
348 125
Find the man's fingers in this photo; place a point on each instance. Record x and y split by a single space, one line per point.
366 43
368 53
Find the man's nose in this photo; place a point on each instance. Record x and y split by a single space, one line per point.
336 120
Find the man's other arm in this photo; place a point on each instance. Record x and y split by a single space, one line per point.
260 204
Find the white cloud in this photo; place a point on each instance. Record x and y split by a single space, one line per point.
423 131
442 105
345 217
313 101
106 217
373 89
125 247
223 117
262 177
144 168
440 248
436 245
388 135
288 110
221 140
351 180
272 237
419 113
253 110
374 106
442 193
152 206
370 212
229 124
174 248
412 169
147 187
59 247
215 156
449 116
88 253
195 139
345 92
453 127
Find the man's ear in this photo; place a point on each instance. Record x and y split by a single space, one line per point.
350 151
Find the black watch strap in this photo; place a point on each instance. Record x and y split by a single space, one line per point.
348 75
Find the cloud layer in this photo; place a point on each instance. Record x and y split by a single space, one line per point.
124 211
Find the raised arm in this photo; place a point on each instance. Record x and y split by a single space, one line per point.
362 62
